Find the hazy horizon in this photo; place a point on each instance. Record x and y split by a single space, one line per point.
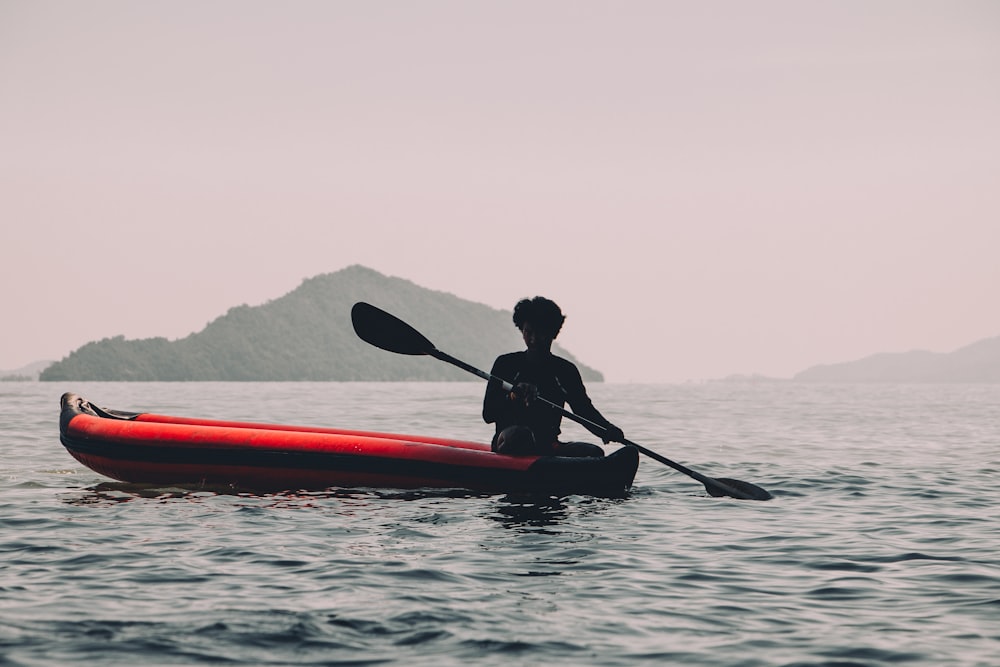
707 189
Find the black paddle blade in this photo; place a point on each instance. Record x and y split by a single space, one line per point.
749 491
388 332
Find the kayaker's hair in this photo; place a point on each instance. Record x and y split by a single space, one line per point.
541 312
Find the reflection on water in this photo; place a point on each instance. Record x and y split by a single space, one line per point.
535 513
113 493
528 512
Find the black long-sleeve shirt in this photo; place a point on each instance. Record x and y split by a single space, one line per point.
558 381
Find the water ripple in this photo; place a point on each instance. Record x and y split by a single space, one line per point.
880 546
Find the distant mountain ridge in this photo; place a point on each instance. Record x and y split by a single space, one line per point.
306 335
27 373
978 362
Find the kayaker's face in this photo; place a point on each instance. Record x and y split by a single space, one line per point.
536 340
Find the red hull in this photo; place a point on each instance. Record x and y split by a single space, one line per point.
151 448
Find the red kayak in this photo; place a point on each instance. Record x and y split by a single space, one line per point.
160 449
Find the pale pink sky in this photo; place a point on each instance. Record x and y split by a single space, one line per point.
706 188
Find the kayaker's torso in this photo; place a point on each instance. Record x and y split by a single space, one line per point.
557 380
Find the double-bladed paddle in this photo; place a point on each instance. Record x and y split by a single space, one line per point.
388 332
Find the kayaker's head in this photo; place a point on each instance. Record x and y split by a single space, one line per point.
540 321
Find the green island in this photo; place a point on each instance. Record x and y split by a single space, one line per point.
306 335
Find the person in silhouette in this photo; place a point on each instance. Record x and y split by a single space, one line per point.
525 425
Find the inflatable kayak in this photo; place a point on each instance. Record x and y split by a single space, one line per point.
160 449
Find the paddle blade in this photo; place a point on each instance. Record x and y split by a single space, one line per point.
749 491
388 332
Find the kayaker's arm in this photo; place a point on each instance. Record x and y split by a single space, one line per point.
580 403
497 406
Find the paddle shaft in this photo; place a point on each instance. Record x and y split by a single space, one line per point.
707 481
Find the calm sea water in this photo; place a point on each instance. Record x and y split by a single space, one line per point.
882 545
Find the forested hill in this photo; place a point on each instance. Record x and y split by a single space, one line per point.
307 335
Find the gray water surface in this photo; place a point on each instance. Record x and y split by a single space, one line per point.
882 545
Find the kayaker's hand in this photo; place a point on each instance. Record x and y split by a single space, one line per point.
524 391
612 434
